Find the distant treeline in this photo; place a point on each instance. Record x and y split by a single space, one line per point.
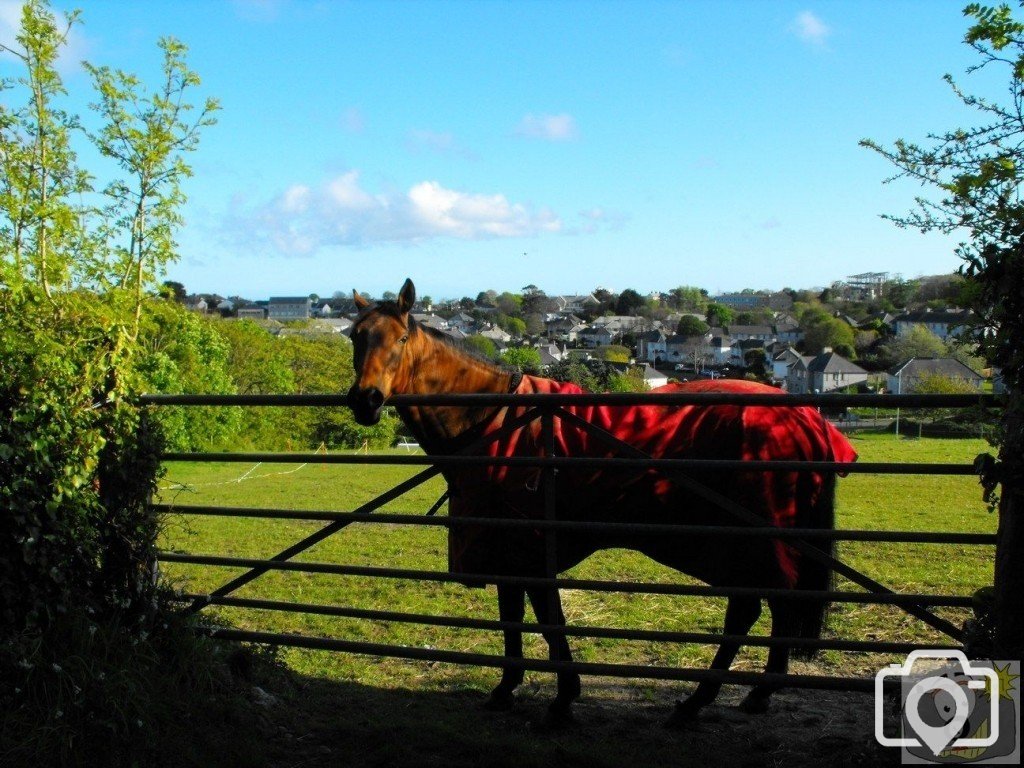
187 353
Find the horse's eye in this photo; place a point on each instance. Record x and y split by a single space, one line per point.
403 339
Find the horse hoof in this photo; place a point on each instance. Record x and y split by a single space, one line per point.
754 705
684 715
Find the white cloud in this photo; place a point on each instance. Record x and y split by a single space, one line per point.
302 220
811 29
548 127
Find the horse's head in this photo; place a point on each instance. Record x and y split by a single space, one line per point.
380 353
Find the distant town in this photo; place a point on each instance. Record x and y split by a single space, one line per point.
870 332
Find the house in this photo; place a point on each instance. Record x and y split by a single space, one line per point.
550 354
653 377
741 301
430 321
651 346
788 332
762 333
905 377
692 351
558 326
828 372
575 305
943 323
781 361
463 322
597 336
251 313
497 335
286 308
197 305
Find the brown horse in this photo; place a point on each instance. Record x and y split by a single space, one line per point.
393 355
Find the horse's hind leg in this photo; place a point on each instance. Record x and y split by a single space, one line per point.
547 605
511 608
740 615
785 623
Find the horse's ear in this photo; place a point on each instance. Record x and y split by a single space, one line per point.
361 302
406 296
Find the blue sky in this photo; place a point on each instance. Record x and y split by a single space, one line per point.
476 145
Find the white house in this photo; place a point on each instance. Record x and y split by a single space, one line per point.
905 377
943 323
828 372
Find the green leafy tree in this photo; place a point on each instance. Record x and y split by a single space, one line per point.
629 303
691 326
483 345
526 359
613 353
630 380
147 135
919 342
40 177
687 298
975 174
719 315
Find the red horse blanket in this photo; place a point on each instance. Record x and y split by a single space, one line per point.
695 432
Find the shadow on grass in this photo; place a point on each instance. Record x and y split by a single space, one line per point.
300 722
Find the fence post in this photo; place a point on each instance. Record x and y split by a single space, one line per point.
547 422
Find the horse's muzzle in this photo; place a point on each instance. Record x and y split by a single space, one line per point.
366 404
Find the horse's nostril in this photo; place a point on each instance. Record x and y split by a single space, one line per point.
374 398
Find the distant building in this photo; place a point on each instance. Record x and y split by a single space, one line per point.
251 313
286 308
905 377
827 372
943 323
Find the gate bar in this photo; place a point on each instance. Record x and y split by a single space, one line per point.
654 635
577 462
656 588
821 682
864 535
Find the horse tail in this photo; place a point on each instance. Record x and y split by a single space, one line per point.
812 615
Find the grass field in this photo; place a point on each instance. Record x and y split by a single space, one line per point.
885 502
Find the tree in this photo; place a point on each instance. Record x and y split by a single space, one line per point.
40 176
613 353
526 359
691 326
977 174
629 302
919 342
147 135
483 345
688 298
719 315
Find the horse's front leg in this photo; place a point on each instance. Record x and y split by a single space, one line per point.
547 605
511 608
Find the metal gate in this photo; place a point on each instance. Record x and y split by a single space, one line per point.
547 408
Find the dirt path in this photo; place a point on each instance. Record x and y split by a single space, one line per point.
321 723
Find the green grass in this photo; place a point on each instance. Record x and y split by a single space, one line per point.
885 502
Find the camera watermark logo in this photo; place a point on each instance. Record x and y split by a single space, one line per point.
955 711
